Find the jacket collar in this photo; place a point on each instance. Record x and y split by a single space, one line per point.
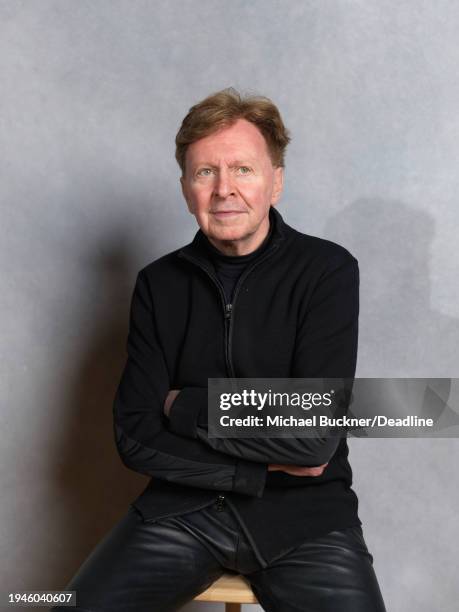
197 249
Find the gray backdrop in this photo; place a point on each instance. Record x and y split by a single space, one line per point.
92 94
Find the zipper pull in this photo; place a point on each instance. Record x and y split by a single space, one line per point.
220 503
228 310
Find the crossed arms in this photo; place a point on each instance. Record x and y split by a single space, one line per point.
163 433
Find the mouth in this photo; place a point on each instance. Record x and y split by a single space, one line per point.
226 214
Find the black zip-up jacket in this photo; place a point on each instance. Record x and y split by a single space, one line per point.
294 314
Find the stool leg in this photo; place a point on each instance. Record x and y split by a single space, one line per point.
232 607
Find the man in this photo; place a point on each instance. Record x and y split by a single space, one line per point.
248 297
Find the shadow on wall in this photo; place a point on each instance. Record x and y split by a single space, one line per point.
91 487
400 335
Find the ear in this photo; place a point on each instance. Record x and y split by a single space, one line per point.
185 194
278 184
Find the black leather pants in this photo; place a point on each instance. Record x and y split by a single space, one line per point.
159 567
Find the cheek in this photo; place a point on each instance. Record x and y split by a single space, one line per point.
256 193
200 197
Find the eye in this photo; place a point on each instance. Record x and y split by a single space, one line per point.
204 172
244 169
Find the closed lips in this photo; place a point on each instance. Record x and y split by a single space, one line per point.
225 212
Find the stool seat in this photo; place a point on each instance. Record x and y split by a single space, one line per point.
229 588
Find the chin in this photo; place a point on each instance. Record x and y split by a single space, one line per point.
227 235
227 232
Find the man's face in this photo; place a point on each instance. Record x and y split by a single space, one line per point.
230 184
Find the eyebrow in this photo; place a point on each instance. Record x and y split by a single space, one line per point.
236 162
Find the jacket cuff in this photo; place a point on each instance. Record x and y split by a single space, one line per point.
188 410
250 478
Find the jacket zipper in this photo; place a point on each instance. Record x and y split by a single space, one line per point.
232 306
228 308
229 365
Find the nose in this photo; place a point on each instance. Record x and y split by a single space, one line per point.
223 186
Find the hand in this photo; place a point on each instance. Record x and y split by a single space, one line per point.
297 470
169 400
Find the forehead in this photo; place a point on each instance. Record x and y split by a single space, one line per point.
241 140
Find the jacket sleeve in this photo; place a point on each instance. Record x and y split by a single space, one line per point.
142 437
326 347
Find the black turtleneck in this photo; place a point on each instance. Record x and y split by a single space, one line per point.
230 267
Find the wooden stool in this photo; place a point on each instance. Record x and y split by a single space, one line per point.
231 589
